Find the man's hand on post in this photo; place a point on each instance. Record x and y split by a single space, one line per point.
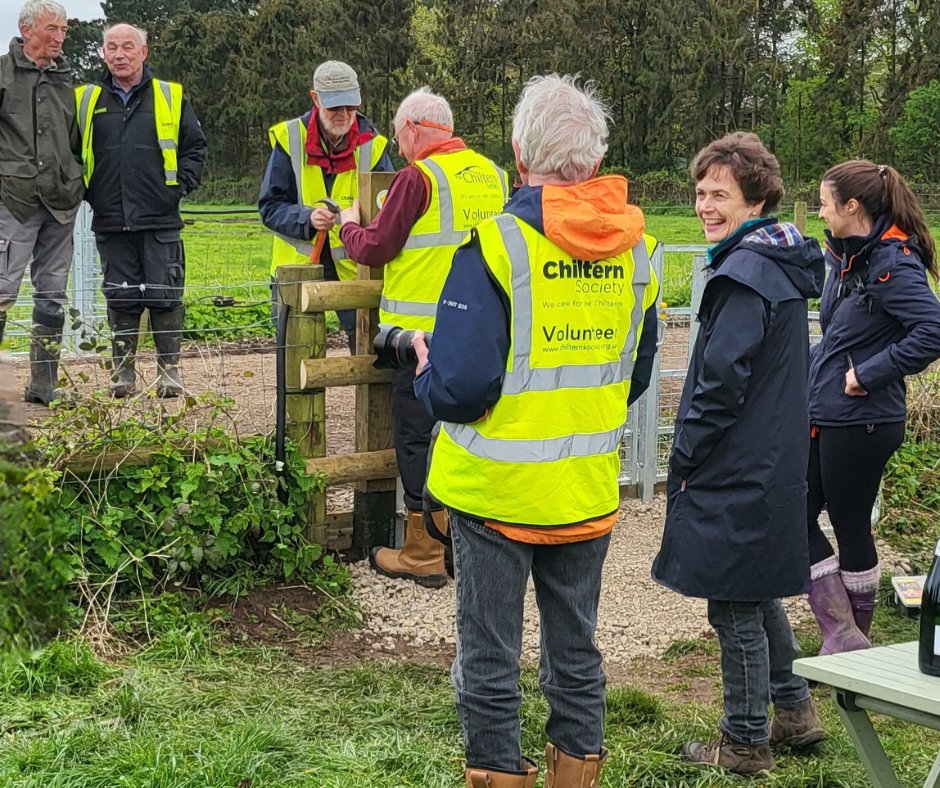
351 214
421 351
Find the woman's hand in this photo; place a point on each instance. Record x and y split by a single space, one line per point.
852 388
421 351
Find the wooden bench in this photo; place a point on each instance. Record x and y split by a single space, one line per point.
885 680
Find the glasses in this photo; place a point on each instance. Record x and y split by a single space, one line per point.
425 123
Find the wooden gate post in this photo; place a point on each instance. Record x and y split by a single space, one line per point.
799 216
373 501
306 411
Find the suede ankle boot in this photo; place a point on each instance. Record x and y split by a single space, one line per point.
481 777
420 559
567 771
724 752
798 726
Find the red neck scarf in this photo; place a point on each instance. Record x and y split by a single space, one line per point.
334 161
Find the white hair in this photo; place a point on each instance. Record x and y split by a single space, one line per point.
141 33
561 129
422 104
33 10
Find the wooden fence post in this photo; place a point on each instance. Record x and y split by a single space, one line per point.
799 216
12 415
306 411
373 501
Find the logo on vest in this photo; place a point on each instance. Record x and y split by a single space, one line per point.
590 270
475 174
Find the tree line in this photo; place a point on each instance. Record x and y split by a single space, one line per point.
819 80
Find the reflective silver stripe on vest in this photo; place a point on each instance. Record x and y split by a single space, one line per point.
447 235
303 247
545 450
87 96
412 308
576 376
295 149
165 89
338 253
365 156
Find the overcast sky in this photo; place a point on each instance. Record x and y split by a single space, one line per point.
10 12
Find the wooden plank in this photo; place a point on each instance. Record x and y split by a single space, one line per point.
374 501
359 466
318 373
323 296
306 413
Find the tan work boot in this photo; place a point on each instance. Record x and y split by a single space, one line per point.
487 778
798 726
566 771
746 759
420 559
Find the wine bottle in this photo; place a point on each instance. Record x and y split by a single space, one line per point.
929 647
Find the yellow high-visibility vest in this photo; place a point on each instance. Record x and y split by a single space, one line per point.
167 114
548 452
466 188
291 136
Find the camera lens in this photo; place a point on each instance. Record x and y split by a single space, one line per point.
394 347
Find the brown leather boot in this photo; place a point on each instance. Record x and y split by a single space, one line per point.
798 726
420 559
724 752
566 771
487 778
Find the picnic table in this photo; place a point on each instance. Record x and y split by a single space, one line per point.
885 680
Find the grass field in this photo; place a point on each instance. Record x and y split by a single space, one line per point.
192 711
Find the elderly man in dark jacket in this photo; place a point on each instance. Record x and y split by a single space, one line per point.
40 182
143 150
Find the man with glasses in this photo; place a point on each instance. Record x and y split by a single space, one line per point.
40 182
317 155
430 209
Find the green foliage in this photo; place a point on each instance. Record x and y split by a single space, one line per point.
64 666
912 497
201 506
917 133
36 568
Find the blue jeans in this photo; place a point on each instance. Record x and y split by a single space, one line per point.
491 573
757 653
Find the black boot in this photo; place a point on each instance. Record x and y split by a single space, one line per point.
44 362
124 333
167 330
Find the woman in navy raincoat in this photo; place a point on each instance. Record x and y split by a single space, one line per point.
736 489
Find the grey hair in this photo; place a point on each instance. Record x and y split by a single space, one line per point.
560 128
141 33
422 104
34 9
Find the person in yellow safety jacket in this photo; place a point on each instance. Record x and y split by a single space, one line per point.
317 155
431 207
546 332
143 150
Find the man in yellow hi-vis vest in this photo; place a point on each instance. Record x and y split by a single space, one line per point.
431 206
142 150
546 331
317 155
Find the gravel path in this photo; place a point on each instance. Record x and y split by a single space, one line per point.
637 617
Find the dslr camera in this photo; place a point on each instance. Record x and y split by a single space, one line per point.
394 347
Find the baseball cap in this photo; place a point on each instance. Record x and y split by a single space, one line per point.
336 85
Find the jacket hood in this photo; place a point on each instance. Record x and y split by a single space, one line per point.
786 260
860 248
591 220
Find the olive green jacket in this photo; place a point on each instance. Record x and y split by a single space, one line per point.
40 145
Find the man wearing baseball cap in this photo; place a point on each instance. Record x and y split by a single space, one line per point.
317 155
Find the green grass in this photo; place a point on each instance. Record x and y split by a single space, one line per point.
215 715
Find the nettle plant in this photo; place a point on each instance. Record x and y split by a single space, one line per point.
160 498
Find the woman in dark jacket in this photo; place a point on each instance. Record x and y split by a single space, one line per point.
880 322
736 488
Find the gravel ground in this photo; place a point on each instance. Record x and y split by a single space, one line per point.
637 617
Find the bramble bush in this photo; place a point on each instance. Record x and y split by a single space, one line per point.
123 499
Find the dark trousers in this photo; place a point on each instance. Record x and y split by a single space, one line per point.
412 426
845 468
142 270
